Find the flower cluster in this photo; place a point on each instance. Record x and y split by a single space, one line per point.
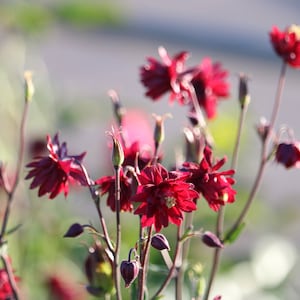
143 186
207 81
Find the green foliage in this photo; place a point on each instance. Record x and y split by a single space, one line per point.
35 17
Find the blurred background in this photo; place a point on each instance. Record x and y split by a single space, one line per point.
78 50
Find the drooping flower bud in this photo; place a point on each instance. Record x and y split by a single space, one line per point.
244 96
288 154
160 242
211 240
129 271
75 230
29 87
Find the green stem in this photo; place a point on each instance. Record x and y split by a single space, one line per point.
257 182
118 228
96 198
172 270
144 259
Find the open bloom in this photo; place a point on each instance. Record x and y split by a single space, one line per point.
164 196
107 186
162 77
53 173
210 84
288 154
287 44
215 187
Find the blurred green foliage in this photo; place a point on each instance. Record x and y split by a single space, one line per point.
34 17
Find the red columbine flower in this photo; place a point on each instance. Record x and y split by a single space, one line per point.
214 186
287 44
164 196
162 77
107 186
210 84
134 154
53 173
288 154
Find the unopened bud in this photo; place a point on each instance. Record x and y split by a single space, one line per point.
117 152
159 131
129 271
119 110
244 96
211 240
29 87
263 129
75 230
160 242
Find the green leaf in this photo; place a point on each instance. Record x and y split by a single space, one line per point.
231 236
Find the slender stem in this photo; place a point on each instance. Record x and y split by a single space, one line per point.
173 268
95 196
10 194
264 155
11 278
221 212
144 263
118 228
258 178
182 256
200 118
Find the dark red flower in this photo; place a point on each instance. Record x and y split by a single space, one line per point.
107 186
210 84
54 173
162 77
288 154
287 44
164 196
135 154
214 186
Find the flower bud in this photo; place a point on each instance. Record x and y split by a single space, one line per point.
160 242
118 153
244 96
159 131
119 110
129 271
211 240
75 230
29 87
263 129
288 154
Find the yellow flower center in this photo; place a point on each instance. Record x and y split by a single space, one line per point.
170 201
295 29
